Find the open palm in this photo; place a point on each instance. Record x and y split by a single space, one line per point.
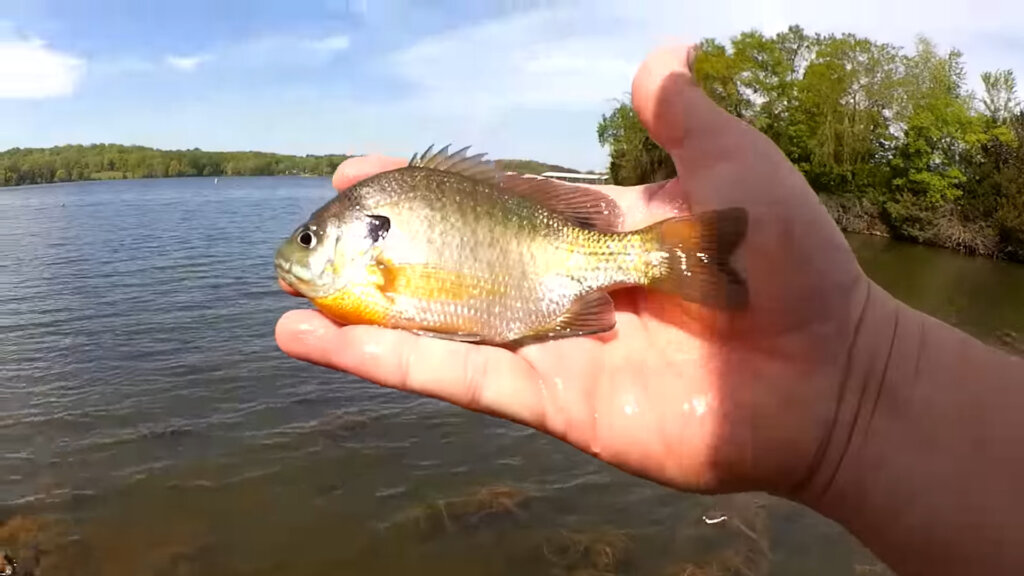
686 396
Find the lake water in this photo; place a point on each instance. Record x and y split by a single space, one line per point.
150 425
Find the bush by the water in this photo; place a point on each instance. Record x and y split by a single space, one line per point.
893 141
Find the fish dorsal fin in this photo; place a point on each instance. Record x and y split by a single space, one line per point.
472 166
585 207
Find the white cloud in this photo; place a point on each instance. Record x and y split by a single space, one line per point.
186 63
529 59
336 43
31 70
261 52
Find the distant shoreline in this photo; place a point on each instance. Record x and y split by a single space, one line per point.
100 162
139 179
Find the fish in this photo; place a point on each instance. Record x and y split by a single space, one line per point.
450 246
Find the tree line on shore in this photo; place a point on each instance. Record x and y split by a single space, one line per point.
72 163
893 141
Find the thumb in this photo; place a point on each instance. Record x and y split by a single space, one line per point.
671 105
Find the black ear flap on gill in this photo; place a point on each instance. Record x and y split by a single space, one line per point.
377 227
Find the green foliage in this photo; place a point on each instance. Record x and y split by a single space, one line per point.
892 140
1000 100
635 157
530 167
20 166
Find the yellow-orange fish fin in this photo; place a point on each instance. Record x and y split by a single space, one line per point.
584 206
592 313
434 283
698 250
427 283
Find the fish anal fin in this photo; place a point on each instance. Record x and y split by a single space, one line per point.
592 313
454 336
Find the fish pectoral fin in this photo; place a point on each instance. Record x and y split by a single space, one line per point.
456 336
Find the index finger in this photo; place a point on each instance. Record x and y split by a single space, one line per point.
481 378
355 169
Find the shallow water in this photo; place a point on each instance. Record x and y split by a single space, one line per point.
146 410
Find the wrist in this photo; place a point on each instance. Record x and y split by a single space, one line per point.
925 445
884 349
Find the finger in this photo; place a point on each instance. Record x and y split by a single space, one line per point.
669 102
355 169
482 378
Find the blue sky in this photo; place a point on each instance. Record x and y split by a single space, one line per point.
513 78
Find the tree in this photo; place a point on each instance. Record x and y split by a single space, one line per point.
635 157
893 136
103 161
1000 100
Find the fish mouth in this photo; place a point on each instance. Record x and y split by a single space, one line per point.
297 277
300 278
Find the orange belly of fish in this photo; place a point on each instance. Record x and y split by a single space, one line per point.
370 302
364 305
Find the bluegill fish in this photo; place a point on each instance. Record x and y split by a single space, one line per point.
449 246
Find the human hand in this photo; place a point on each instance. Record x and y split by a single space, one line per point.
693 398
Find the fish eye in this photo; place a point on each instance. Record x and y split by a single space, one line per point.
377 227
306 238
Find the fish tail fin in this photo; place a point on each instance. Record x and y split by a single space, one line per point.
699 249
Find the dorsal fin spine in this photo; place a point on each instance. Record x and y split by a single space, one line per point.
583 206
